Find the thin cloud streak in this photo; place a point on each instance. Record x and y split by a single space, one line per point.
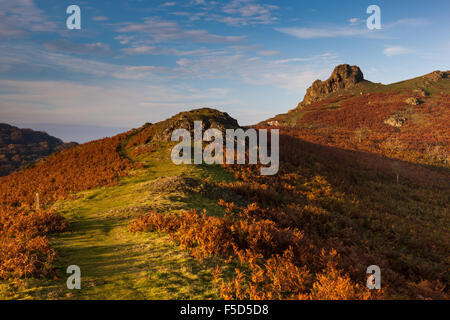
396 51
19 17
169 31
103 104
336 31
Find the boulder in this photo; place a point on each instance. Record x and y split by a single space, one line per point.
396 121
412 101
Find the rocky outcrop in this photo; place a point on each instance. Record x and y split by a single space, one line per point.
162 131
210 118
412 101
274 123
343 77
421 92
437 75
396 121
20 147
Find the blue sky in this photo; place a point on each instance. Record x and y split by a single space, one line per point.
142 61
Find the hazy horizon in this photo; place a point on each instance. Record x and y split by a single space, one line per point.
73 132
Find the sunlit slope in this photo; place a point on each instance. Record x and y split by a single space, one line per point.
117 264
311 231
317 224
137 177
407 120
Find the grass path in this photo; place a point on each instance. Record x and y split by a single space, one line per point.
117 264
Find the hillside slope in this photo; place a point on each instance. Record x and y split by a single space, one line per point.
42 210
20 147
141 227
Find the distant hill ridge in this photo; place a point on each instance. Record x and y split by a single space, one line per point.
20 147
407 120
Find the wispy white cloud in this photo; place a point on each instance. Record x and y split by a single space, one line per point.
257 71
18 17
355 29
192 16
233 13
290 60
196 64
407 22
124 39
396 50
36 60
198 2
100 18
137 49
96 48
170 31
248 12
354 21
269 53
183 62
328 56
140 50
168 4
101 104
328 32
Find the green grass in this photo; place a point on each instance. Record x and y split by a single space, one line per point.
117 264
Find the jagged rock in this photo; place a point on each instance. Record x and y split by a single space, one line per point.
20 147
273 123
437 75
210 118
343 77
396 121
420 92
412 101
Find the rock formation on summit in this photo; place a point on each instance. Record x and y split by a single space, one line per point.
344 76
210 118
437 75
